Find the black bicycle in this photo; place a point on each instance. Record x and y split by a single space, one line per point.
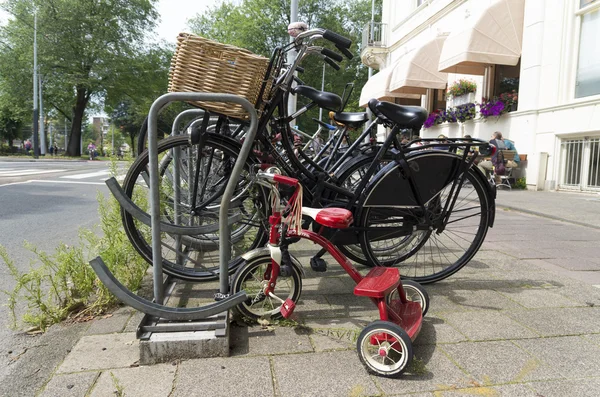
422 209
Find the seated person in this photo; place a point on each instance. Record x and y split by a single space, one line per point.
486 166
442 139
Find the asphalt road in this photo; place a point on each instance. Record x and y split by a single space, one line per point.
44 203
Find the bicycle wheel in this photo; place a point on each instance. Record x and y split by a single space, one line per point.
397 232
253 277
164 123
204 171
352 174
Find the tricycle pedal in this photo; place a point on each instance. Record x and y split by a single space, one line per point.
287 308
318 264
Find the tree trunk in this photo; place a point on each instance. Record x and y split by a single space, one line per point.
132 137
83 97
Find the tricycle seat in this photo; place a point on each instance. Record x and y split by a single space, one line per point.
336 218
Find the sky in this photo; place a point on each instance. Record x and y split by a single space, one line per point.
175 13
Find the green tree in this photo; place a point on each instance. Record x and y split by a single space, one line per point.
261 25
10 125
126 120
85 49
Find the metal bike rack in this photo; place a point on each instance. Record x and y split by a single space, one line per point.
157 308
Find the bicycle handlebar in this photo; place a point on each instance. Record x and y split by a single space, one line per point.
332 54
336 39
344 51
273 174
332 63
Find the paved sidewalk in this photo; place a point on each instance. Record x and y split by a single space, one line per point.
520 320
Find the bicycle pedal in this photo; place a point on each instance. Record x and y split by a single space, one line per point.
287 308
318 264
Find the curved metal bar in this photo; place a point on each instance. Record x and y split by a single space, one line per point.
135 211
180 116
224 245
158 310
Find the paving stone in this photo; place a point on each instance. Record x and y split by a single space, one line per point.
333 340
595 338
431 370
111 323
581 388
487 325
216 377
353 306
330 285
534 298
316 306
499 362
560 321
436 331
155 380
492 391
74 385
572 356
575 263
438 303
323 374
335 334
95 352
134 322
257 341
482 300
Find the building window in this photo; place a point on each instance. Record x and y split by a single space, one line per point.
585 3
506 78
588 64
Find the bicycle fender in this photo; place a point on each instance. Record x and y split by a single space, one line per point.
264 251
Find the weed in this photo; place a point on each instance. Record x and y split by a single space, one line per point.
63 284
520 183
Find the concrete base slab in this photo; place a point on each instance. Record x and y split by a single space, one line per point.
169 345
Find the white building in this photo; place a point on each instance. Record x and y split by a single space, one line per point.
547 50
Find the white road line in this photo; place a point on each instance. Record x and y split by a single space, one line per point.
27 172
15 183
88 175
69 182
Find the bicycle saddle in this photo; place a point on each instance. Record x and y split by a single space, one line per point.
326 100
353 120
335 218
405 116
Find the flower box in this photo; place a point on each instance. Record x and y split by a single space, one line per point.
462 99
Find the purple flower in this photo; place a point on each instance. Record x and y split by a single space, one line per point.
492 108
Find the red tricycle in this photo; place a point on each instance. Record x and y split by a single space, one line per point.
272 280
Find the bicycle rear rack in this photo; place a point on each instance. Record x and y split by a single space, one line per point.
156 308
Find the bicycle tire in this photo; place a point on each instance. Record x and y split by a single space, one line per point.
351 174
181 257
430 260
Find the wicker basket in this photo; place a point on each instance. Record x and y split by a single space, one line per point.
202 65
